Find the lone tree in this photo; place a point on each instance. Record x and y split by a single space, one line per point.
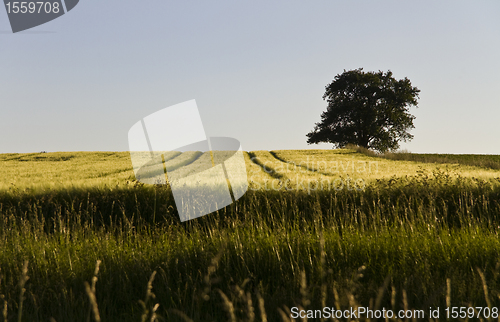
367 109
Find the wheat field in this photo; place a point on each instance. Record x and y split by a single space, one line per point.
82 240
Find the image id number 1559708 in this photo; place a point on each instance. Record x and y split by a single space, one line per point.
471 312
32 7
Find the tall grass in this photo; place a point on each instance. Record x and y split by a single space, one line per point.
288 247
120 253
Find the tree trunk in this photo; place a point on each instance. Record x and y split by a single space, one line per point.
363 142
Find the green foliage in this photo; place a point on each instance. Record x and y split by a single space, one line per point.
367 109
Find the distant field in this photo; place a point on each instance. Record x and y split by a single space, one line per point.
63 170
486 161
317 228
329 165
479 160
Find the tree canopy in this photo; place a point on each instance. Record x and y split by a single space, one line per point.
368 109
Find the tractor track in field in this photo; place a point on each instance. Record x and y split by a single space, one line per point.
270 171
191 159
275 155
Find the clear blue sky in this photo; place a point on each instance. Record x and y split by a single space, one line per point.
257 69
